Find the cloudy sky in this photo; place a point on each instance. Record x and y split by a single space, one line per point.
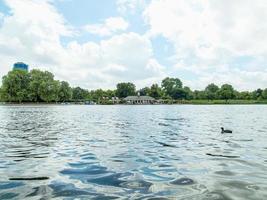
98 43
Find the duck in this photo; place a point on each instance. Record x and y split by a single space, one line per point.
226 131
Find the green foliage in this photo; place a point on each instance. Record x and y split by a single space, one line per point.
199 95
40 86
98 95
245 95
110 93
65 92
178 93
257 94
211 91
189 94
226 92
1 95
49 91
15 86
36 86
43 87
264 94
144 91
125 89
155 91
172 87
79 94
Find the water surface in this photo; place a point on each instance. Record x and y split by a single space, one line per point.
133 152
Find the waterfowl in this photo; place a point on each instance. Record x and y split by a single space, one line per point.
226 131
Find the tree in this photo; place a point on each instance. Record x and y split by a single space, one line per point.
171 85
38 80
125 89
49 91
110 93
79 94
257 94
226 92
65 92
98 95
40 86
1 95
188 93
264 94
144 91
199 95
245 95
15 86
178 93
155 91
211 91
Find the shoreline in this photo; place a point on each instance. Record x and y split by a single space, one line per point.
182 102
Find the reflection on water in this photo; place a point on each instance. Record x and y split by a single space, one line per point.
137 152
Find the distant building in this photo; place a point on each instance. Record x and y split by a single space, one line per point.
115 100
140 100
21 66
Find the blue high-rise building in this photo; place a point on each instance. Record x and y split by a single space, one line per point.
21 66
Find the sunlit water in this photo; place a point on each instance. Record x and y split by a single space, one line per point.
133 152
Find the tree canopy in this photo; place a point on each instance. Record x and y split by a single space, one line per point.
212 91
41 86
155 91
125 89
35 86
226 92
15 86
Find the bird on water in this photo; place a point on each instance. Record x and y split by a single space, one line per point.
226 131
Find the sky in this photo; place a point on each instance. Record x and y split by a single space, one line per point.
99 43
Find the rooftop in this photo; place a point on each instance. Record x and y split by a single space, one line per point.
139 98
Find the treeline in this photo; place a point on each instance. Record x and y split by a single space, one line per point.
40 86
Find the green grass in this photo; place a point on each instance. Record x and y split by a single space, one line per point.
212 102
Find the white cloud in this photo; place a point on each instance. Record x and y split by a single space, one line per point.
209 38
125 57
1 15
110 26
221 74
209 35
33 16
35 39
31 32
34 35
130 6
203 25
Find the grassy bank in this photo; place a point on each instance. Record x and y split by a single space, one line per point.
212 102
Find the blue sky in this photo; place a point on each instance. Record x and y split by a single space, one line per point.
96 44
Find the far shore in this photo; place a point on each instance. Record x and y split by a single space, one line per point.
179 102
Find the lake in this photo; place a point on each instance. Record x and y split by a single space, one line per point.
133 152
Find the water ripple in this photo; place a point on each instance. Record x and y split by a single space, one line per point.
133 152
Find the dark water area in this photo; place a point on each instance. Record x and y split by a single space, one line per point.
133 152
